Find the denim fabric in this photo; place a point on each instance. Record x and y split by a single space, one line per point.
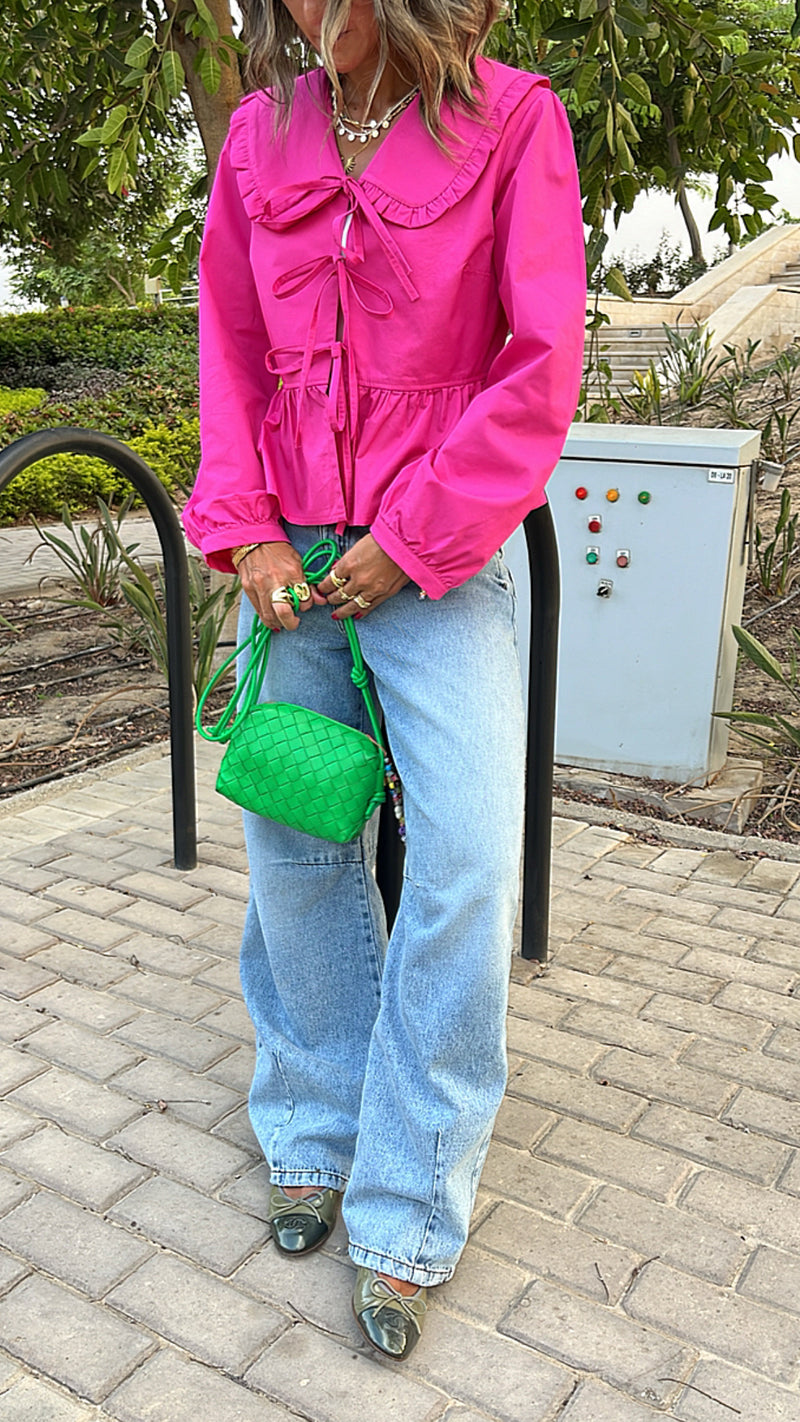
380 1068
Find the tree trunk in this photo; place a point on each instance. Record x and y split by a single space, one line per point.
212 112
681 195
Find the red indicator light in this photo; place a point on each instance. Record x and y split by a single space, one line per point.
595 525
581 493
623 558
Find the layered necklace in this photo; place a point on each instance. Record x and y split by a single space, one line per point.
366 131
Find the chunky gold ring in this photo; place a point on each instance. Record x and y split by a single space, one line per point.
343 597
361 601
281 595
337 581
303 591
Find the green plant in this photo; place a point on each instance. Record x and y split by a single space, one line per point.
689 363
776 557
147 596
785 732
18 402
737 373
95 558
776 436
645 400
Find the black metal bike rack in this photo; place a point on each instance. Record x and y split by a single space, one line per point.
29 450
545 582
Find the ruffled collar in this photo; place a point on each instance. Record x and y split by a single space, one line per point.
409 180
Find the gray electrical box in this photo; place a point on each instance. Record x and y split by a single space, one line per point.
652 528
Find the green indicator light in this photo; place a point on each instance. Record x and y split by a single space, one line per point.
592 556
644 497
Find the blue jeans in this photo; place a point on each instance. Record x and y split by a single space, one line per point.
380 1066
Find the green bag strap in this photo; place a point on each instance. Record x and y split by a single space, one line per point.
317 563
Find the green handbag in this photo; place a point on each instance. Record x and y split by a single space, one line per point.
293 765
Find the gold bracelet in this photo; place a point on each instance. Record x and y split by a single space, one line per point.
239 554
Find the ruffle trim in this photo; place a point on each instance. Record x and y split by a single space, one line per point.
252 133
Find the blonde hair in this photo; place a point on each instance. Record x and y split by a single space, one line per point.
432 43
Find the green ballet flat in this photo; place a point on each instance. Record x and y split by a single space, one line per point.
298 1226
390 1321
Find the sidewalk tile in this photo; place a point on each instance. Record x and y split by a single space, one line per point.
13 1190
770 1115
29 1400
750 1210
716 1320
634 945
582 987
616 1350
712 1142
68 1045
521 1176
665 1081
546 1044
490 1371
573 1096
755 1069
71 1243
698 935
212 1320
162 955
158 918
11 1271
186 1044
483 1289
232 1020
607 1156
722 1392
83 1005
168 1388
83 928
530 1001
678 861
20 1019
734 969
595 1403
197 1100
169 888
784 1043
235 1069
21 939
17 1067
85 897
76 1104
616 1029
520 1123
213 1235
773 1278
557 1251
319 1296
165 994
193 1157
659 976
14 1124
706 1019
74 1168
665 1232
20 979
773 875
21 907
78 963
83 1345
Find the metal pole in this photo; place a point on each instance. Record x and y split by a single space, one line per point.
545 601
29 450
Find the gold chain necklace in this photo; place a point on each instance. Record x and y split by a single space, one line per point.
358 131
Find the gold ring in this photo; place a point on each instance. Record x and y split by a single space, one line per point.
342 595
361 601
280 595
337 581
303 591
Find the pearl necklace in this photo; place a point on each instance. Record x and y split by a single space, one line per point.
354 130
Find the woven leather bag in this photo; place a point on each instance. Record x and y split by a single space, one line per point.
290 764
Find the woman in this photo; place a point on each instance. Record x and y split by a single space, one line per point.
392 306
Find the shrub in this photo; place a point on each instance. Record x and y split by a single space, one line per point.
18 402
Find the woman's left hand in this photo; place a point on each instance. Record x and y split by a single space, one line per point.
367 576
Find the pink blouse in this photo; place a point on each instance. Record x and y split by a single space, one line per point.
356 365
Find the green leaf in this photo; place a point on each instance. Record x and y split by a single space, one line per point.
634 88
139 52
172 70
113 124
617 285
758 654
117 170
95 135
210 71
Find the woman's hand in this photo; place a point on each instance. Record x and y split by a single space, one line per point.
271 566
362 579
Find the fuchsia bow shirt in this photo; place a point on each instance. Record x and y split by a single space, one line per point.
356 366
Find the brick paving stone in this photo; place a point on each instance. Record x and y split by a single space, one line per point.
722 867
616 1350
25 876
212 1234
162 955
731 1392
29 1400
223 976
694 986
744 901
580 956
634 945
661 1230
776 951
607 1156
221 939
249 1192
13 1190
549 1045
86 929
790 909
79 964
168 1388
168 888
490 1371
707 1019
565 829
231 1019
69 1045
773 875
676 905
214 1321
11 1271
86 897
233 883
573 1096
678 861
16 1067
520 1176
616 1029
698 935
632 852
73 1167
595 1403
237 1129
164 994
188 1045
188 1155
784 1043
557 1251
761 927
751 1068
319 1296
771 1116
18 979
71 1243
529 1001
21 907
712 1142
14 1124
773 1278
19 1019
716 1320
76 1104
197 1100
734 969
315 1377
83 1345
613 913
158 918
87 867
81 1004
21 939
520 1123
216 909
665 1081
750 1210
234 1070
790 1180
482 1289
582 987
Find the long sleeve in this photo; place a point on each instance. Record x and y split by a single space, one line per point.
446 513
230 504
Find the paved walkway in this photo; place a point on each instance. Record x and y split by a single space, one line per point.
636 1246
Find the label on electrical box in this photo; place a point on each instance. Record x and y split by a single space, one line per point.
722 476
